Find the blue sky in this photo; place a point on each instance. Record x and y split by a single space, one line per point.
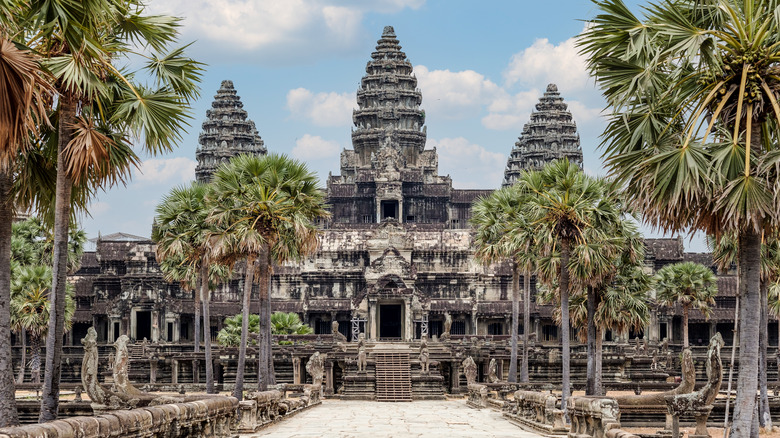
296 65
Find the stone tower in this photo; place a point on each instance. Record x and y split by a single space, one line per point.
227 132
388 175
551 134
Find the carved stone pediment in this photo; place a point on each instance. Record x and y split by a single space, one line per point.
390 265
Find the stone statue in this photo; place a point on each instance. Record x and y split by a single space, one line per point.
424 356
337 336
699 403
492 377
316 368
654 365
119 368
640 349
89 368
470 370
361 357
447 327
665 347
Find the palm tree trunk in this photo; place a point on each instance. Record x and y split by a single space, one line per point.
35 363
8 414
238 389
749 313
526 324
264 336
196 295
205 299
50 397
590 386
23 361
685 326
734 338
565 349
515 321
764 417
599 351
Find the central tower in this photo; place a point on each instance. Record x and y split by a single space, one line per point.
388 175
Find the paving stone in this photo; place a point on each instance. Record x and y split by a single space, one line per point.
361 419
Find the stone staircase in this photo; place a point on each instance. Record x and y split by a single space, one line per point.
393 377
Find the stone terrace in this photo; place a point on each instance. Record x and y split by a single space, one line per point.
416 419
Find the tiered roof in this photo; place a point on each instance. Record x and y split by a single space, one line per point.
227 132
551 134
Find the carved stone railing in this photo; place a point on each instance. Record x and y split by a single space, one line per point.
211 417
263 408
478 395
538 411
595 417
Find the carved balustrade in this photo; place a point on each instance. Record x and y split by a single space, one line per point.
537 410
595 417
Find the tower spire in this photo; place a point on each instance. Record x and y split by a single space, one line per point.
551 134
227 132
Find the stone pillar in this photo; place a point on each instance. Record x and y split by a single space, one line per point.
328 377
195 371
373 323
500 369
296 364
408 329
474 326
174 371
153 371
455 376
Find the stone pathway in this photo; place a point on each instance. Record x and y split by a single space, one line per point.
427 419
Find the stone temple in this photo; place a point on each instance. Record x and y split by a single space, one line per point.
396 263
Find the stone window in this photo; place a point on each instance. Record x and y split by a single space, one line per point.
495 328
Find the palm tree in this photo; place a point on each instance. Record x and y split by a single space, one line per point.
21 110
230 334
288 324
563 203
266 207
690 284
30 309
685 72
182 237
99 106
502 232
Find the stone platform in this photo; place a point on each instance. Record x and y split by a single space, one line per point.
341 418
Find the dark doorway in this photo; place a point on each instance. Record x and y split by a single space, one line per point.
389 209
79 331
698 333
143 325
116 332
390 321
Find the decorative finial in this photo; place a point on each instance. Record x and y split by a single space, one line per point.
552 88
227 85
388 32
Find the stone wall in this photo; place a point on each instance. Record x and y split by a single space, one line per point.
210 417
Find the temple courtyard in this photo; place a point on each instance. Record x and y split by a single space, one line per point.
374 419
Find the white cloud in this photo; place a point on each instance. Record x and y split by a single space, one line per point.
277 28
454 95
165 171
545 62
313 147
470 165
96 207
323 109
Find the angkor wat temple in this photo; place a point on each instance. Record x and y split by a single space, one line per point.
396 260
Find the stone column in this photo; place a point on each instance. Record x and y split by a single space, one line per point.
455 376
153 371
474 326
296 364
195 371
373 323
500 369
328 377
408 330
174 371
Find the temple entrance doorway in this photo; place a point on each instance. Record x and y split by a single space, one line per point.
389 209
143 325
390 321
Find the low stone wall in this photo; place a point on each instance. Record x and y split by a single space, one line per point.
267 407
211 417
478 396
595 417
538 411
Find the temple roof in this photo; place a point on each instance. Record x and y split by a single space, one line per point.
549 135
227 132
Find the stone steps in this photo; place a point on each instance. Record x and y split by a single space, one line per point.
393 377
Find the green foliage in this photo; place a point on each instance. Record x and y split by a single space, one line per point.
690 284
288 324
32 244
230 335
30 301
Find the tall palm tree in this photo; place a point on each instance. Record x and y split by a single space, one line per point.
30 309
99 106
182 237
563 203
693 97
266 207
22 108
503 233
690 284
